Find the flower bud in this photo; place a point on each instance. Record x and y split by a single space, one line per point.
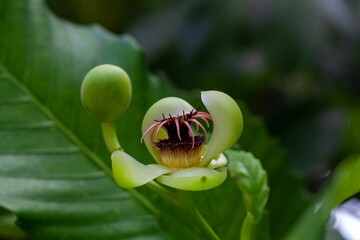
106 92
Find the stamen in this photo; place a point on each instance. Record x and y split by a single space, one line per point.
177 127
204 116
198 124
148 130
191 133
159 127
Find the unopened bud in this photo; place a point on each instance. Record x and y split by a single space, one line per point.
106 92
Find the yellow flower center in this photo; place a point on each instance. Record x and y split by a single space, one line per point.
181 154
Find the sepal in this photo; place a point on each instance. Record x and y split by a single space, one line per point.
129 173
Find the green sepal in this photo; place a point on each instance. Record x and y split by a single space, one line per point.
129 173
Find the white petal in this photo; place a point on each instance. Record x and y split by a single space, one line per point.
129 173
227 123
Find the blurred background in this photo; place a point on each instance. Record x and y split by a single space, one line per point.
295 63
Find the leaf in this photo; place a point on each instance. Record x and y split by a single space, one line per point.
8 229
52 182
51 172
344 183
252 181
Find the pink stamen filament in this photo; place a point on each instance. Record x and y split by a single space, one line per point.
185 119
158 129
204 116
149 129
191 133
198 124
177 127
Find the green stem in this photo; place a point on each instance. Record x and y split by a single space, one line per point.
110 137
246 227
163 192
187 203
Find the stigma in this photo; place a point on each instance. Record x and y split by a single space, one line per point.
182 148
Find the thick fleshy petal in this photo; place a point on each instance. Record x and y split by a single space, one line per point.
194 179
129 173
168 106
219 162
227 123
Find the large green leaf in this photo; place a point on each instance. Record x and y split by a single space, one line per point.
51 180
51 172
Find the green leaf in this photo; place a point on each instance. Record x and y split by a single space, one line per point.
252 181
51 171
344 183
8 229
51 180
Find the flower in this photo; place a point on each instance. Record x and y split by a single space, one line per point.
184 160
180 148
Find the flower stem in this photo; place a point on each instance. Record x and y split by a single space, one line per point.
246 227
188 205
110 137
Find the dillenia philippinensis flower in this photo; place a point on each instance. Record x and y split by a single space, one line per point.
174 133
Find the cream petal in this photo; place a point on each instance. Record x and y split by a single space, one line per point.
227 123
194 179
170 105
221 161
129 173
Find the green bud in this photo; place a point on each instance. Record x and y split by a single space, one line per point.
106 92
